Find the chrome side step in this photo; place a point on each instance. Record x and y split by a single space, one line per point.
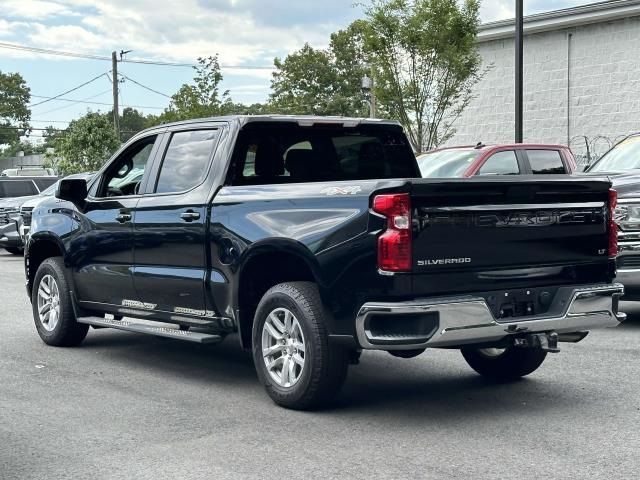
167 332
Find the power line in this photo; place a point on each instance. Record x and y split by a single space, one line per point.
46 51
68 91
74 103
39 129
49 121
8 127
96 103
144 86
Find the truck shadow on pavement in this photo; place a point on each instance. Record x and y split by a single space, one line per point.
215 364
427 386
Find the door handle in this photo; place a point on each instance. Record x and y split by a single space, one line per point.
190 216
123 217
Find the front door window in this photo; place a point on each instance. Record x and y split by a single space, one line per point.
124 176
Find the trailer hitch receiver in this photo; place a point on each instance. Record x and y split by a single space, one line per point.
547 341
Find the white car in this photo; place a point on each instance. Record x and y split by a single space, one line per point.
28 172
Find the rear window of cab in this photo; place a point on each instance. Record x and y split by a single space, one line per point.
17 188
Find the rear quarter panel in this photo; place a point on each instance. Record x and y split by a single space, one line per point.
326 224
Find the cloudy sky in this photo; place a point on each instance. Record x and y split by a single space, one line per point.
246 33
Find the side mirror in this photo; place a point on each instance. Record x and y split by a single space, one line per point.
72 190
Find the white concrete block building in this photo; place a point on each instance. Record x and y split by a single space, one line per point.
581 79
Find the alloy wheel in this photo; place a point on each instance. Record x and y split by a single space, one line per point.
48 303
283 347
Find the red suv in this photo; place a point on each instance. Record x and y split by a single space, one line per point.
505 159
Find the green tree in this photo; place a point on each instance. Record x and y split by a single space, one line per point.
131 122
49 135
85 146
203 98
426 63
14 107
27 148
252 109
351 65
322 81
304 83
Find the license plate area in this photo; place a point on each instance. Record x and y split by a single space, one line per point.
517 303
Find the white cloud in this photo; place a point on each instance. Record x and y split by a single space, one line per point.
65 37
182 31
33 9
493 10
6 28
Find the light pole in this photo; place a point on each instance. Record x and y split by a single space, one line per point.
519 69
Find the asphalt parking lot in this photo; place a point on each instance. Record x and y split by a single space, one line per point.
130 406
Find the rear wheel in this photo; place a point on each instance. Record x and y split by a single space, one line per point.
295 362
14 250
504 364
52 309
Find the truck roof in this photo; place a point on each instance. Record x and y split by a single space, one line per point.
305 120
489 146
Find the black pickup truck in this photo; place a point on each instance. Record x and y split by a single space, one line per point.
314 239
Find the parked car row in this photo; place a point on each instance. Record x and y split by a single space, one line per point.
15 211
504 159
14 191
622 164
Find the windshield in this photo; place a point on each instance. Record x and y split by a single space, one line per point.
48 192
624 156
446 163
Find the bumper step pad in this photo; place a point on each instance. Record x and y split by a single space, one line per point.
158 331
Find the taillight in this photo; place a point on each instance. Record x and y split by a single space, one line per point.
394 245
613 228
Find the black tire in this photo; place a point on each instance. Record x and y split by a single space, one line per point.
407 353
14 250
514 363
325 365
67 332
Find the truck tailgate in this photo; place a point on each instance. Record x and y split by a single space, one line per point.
498 223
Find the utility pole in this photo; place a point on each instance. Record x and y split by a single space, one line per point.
114 78
519 69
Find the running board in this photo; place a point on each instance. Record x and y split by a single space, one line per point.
166 332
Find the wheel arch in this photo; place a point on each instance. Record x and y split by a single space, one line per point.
40 247
264 265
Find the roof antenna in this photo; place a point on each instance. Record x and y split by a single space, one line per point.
479 145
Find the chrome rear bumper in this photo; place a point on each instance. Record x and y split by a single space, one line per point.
465 320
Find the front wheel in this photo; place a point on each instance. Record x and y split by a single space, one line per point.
295 362
52 308
504 364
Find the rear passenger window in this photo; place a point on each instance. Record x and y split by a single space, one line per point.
283 153
545 161
501 163
186 161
